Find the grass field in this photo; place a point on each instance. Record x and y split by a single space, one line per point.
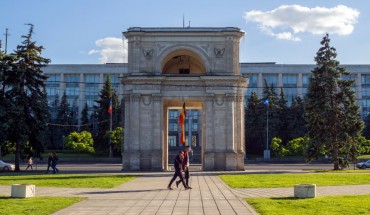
67 180
330 205
289 180
35 206
364 157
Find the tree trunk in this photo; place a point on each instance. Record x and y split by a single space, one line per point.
17 156
335 158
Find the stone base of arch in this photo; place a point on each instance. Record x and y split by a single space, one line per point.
222 130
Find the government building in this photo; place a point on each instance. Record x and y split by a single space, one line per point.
196 66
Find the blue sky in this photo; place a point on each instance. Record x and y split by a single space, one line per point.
90 31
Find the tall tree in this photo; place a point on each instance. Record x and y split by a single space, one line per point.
333 120
64 116
270 109
254 125
283 114
85 118
28 112
297 122
106 95
366 131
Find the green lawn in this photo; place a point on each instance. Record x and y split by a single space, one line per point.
36 205
349 205
67 180
364 157
289 180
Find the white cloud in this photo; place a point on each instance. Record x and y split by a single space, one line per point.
111 50
294 19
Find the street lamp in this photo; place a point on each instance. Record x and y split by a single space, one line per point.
266 153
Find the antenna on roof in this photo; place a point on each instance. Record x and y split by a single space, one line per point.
183 21
189 24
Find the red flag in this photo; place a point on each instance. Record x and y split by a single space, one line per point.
110 109
182 124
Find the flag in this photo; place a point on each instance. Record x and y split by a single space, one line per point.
110 109
266 102
182 124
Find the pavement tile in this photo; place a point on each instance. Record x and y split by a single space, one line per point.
148 195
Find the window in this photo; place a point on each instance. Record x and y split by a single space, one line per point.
184 71
252 85
173 114
172 141
271 79
172 126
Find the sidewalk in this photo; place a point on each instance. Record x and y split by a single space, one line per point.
148 195
289 192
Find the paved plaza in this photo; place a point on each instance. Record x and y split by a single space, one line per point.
148 195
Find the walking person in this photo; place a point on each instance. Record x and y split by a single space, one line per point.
30 163
185 167
50 164
54 163
178 164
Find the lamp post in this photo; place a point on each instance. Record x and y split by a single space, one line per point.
266 153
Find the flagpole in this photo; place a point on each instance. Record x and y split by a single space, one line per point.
266 153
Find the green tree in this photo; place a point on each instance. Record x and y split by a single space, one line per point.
106 95
254 125
272 110
297 122
366 131
365 146
28 112
297 146
117 139
283 117
333 120
85 118
80 142
63 120
278 148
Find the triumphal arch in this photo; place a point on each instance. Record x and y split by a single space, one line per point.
171 66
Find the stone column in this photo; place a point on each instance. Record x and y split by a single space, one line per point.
359 90
231 155
240 133
208 134
157 141
62 86
280 81
259 85
126 147
300 85
132 154
81 97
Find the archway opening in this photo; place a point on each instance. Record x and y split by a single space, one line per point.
193 133
183 62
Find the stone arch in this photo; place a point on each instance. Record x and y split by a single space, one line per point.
192 58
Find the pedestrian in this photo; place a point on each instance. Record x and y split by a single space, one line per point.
178 164
29 162
185 167
50 164
54 163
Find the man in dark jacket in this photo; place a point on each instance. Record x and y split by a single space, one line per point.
185 166
178 164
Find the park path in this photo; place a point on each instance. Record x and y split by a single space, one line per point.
148 195
289 192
